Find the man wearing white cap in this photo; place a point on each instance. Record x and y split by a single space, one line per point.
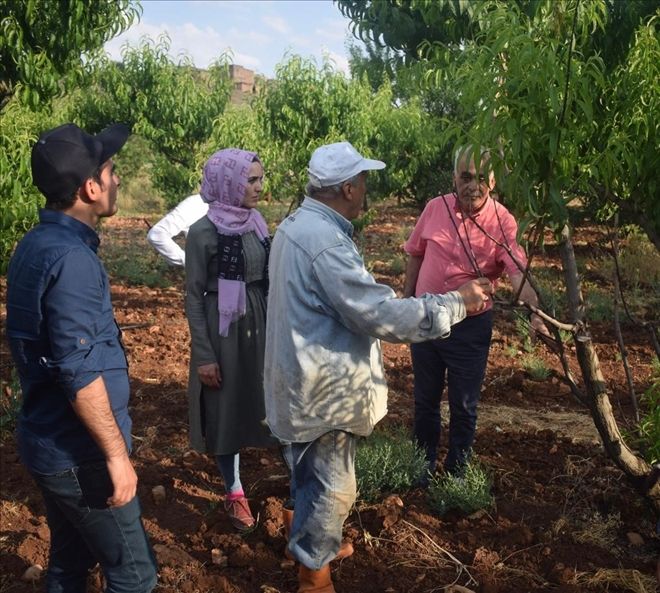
323 378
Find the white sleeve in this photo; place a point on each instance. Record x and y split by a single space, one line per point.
161 235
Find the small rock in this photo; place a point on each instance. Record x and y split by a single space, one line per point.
218 558
147 453
556 572
287 564
33 573
190 458
391 510
263 461
567 576
393 500
635 539
497 429
158 494
486 559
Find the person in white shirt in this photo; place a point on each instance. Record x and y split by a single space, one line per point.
176 221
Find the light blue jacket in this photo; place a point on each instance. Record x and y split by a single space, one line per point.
323 366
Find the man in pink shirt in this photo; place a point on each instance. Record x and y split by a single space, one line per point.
459 237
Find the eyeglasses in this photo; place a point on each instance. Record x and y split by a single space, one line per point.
467 177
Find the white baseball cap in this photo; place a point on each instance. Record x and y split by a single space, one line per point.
333 163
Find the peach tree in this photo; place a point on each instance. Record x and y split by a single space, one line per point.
566 94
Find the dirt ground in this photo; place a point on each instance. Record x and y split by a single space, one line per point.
564 520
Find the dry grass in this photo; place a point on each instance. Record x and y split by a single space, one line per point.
414 548
627 579
599 531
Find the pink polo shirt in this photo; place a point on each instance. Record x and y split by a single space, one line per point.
446 264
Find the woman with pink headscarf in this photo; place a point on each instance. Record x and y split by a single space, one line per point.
226 287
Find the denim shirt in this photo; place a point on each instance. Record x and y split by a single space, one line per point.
62 335
323 366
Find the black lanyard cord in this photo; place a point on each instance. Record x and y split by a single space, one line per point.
468 252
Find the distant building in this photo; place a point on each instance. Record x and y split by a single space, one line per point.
243 79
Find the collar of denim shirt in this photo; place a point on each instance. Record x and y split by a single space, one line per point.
87 234
317 206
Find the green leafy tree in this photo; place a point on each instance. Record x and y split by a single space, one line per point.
20 199
622 37
376 62
44 42
570 112
45 47
306 106
170 103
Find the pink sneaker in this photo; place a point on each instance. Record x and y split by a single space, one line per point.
239 513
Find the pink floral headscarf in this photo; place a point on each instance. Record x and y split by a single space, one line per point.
224 183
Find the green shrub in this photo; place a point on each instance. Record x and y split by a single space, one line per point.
467 493
535 368
387 462
398 264
364 220
600 306
649 424
19 128
511 351
639 263
523 329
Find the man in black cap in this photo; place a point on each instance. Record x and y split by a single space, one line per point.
74 431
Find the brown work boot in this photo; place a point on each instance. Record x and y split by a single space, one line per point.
315 581
287 521
345 550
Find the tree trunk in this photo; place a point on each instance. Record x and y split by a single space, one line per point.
638 471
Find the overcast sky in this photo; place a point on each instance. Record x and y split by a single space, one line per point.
258 32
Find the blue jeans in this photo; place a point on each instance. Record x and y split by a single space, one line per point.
229 466
84 531
324 473
462 358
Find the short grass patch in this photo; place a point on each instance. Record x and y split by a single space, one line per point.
137 264
387 461
467 493
535 367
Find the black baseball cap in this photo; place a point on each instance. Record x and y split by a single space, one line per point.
64 157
